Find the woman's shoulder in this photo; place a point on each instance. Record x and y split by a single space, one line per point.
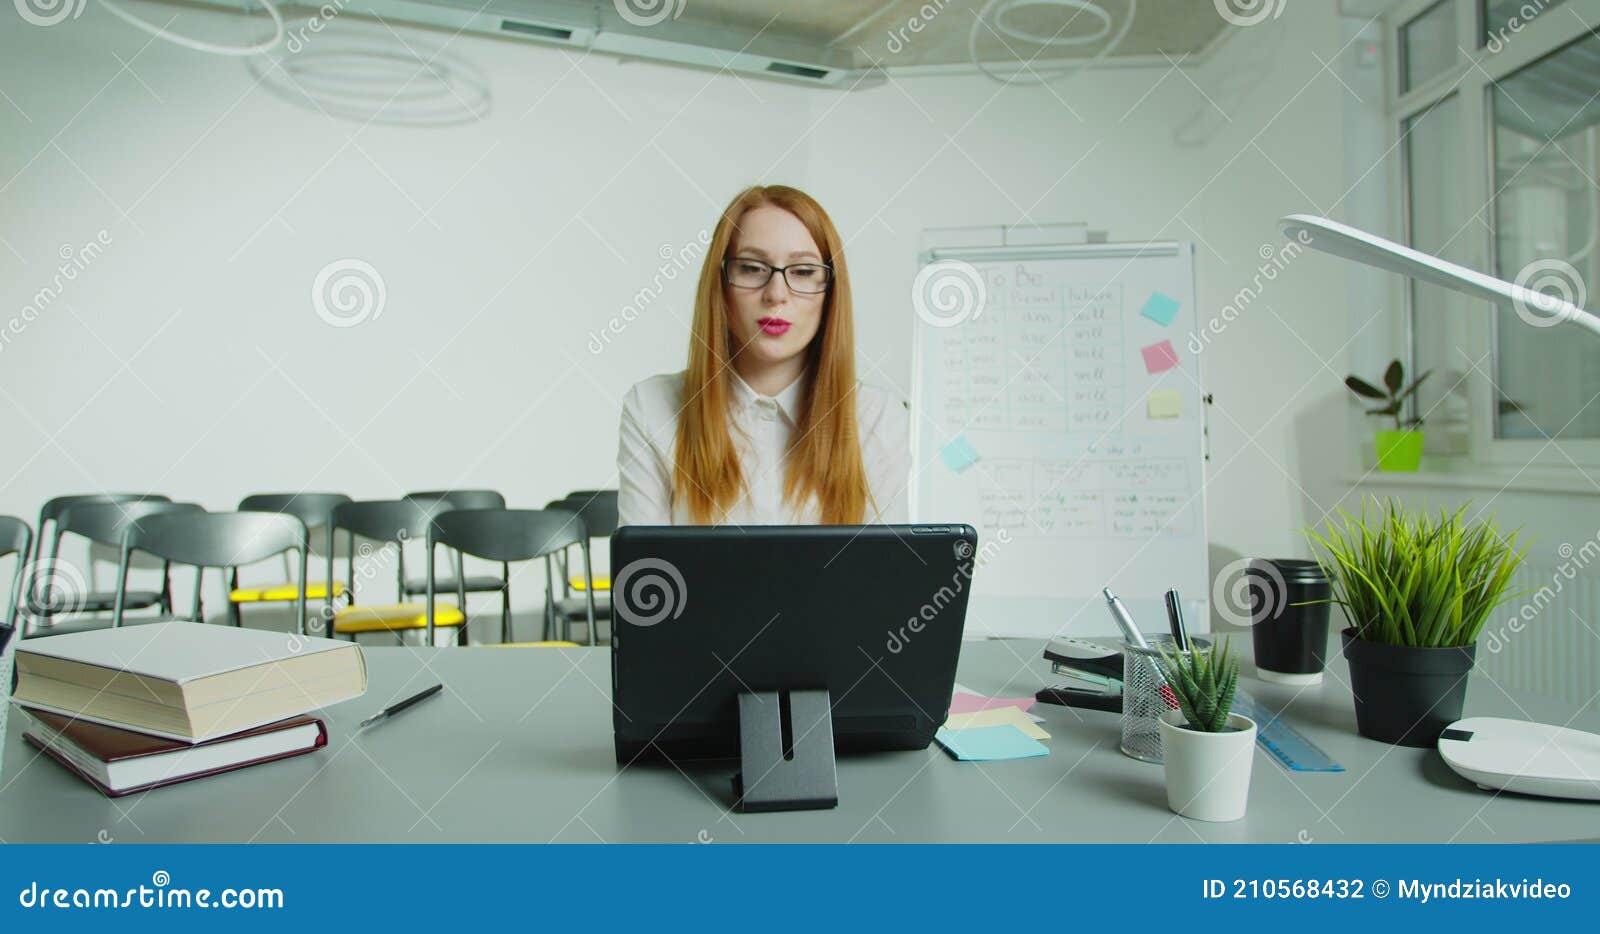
656 395
874 404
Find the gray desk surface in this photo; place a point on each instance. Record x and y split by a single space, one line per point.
519 750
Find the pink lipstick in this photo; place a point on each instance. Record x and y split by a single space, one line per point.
773 326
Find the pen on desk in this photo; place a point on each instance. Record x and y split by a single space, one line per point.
1180 636
393 709
1124 619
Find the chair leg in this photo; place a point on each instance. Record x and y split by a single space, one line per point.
505 604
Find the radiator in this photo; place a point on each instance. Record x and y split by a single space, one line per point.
1546 640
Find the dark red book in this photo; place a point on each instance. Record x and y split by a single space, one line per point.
121 762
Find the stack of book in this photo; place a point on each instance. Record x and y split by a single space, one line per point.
139 707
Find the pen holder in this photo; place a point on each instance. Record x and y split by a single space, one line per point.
1142 697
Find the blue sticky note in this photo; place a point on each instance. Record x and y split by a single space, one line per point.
990 743
1161 309
959 454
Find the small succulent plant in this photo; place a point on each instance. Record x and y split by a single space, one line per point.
1204 681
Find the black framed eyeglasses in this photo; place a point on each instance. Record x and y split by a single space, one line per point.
744 273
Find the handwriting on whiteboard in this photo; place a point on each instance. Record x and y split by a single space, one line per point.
1086 497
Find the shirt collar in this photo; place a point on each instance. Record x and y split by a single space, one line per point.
787 400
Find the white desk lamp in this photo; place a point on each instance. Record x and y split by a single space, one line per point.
1494 753
1537 308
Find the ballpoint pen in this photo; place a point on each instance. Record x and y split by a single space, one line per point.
1124 620
393 709
1131 632
1180 635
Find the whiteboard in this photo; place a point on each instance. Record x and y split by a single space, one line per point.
1057 408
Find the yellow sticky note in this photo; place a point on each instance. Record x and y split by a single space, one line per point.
1164 403
996 717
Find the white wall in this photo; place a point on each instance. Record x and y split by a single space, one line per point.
188 358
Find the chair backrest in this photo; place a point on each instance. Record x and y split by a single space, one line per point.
507 534
15 539
597 507
463 499
386 520
213 540
54 507
313 509
107 522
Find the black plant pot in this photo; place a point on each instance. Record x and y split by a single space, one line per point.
1405 695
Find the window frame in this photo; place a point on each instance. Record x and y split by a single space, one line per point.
1472 79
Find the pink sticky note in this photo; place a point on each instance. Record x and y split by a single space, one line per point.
971 703
1159 357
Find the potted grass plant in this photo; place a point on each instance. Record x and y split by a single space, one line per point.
1400 449
1206 749
1416 590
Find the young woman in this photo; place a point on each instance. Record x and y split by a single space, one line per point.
768 425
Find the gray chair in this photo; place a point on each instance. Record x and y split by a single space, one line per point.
315 510
598 509
394 522
51 512
476 583
101 523
222 540
507 535
15 539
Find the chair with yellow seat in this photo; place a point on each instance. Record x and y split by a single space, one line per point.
598 509
312 509
386 522
472 583
507 535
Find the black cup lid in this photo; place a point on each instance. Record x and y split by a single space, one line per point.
1295 570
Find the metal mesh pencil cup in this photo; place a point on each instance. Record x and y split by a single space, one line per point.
1142 703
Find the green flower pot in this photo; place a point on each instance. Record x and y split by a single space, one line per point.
1399 450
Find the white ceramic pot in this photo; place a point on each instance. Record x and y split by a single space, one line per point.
1208 774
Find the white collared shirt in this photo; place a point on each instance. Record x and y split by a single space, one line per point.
763 428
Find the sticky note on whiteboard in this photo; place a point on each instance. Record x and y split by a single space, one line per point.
1164 403
959 454
1159 357
1161 309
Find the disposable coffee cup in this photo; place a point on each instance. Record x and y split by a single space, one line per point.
1289 619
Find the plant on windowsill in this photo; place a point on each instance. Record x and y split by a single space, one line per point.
1206 748
1400 449
1417 590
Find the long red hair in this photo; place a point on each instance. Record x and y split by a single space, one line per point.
825 459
